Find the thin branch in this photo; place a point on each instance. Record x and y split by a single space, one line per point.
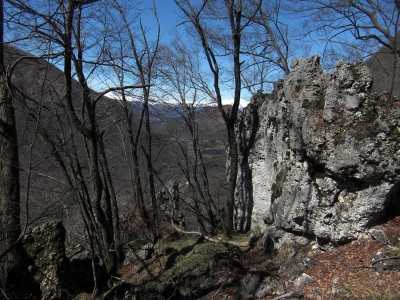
384 259
120 88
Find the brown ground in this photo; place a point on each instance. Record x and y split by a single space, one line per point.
349 266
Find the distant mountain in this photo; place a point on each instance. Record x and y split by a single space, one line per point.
40 88
170 110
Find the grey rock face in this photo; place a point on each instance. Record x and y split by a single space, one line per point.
378 235
384 261
45 245
320 155
145 252
258 285
58 276
303 280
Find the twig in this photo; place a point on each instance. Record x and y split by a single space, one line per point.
362 266
216 293
173 294
4 294
119 279
376 261
290 294
386 258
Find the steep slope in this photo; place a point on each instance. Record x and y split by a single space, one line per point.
39 91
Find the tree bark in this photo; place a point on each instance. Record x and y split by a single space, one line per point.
10 228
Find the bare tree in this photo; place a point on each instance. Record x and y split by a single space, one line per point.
181 79
267 46
78 147
137 64
233 12
355 25
10 229
272 41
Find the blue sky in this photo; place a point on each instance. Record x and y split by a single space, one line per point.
168 14
170 17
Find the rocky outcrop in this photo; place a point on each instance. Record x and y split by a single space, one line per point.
45 245
320 155
56 275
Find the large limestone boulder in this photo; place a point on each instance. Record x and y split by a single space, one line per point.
320 155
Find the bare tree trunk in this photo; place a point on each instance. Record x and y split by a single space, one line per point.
101 220
234 17
144 60
133 147
204 188
150 168
395 75
186 171
10 228
114 206
232 175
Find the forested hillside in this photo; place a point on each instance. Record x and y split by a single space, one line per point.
131 167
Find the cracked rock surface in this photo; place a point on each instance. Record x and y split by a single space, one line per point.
320 155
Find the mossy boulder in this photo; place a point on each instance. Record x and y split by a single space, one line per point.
45 245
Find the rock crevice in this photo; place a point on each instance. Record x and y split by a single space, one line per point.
324 158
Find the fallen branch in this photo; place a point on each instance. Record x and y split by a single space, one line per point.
220 287
383 259
375 262
4 294
363 266
247 244
290 294
119 279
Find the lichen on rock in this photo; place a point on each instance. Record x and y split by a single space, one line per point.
56 275
324 162
45 245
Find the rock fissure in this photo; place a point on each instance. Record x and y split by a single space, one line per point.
325 159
